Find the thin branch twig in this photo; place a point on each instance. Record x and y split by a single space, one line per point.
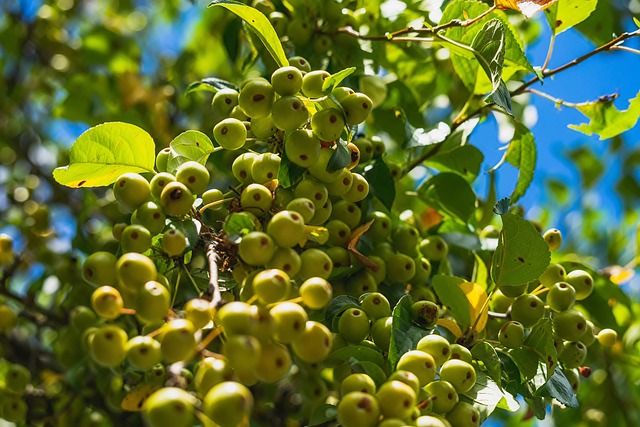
214 288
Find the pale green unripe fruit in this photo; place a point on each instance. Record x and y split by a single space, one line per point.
316 293
143 352
303 206
174 242
211 371
107 346
396 399
438 347
342 184
286 228
289 113
162 159
553 237
312 83
287 260
315 263
357 108
152 302
265 167
375 305
135 238
13 408
434 248
464 415
553 274
443 396
107 302
607 337
527 309
381 332
271 286
194 176
353 325
230 133
256 248
461 375
169 406
159 181
461 353
131 190
178 343
582 282
328 124
420 363
99 268
314 344
133 270
290 320
319 169
302 147
341 92
300 63
176 199
430 421
572 354
17 378
228 403
274 363
573 377
286 80
314 191
569 325
256 198
358 409
242 352
511 334
236 318
358 190
357 382
400 268
256 98
223 102
561 296
150 216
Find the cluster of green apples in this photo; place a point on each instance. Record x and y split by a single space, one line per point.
573 332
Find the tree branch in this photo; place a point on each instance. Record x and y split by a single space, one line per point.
214 288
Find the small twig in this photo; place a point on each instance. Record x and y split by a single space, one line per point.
549 52
214 288
557 101
497 315
627 49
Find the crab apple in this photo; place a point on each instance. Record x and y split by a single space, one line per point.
527 309
396 399
511 334
460 374
582 282
358 409
228 403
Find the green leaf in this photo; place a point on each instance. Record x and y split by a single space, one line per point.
502 207
502 98
374 370
489 45
404 334
486 353
258 22
448 290
565 14
381 182
289 173
637 21
238 224
487 395
464 160
522 254
559 388
323 414
451 194
210 84
541 340
335 79
104 152
522 154
336 307
191 145
526 359
605 119
357 352
588 164
340 158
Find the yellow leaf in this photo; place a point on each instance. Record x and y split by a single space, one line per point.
452 326
620 275
134 400
527 7
353 241
314 233
478 307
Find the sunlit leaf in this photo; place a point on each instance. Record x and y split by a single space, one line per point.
210 84
335 79
522 254
451 194
478 307
522 154
191 145
404 334
451 294
134 400
104 152
487 395
620 275
381 183
451 326
565 14
605 119
527 7
260 24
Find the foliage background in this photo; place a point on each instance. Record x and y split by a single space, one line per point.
67 65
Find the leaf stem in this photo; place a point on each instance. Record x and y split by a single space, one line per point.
552 42
557 101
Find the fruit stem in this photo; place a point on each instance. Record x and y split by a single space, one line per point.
209 338
130 311
213 204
